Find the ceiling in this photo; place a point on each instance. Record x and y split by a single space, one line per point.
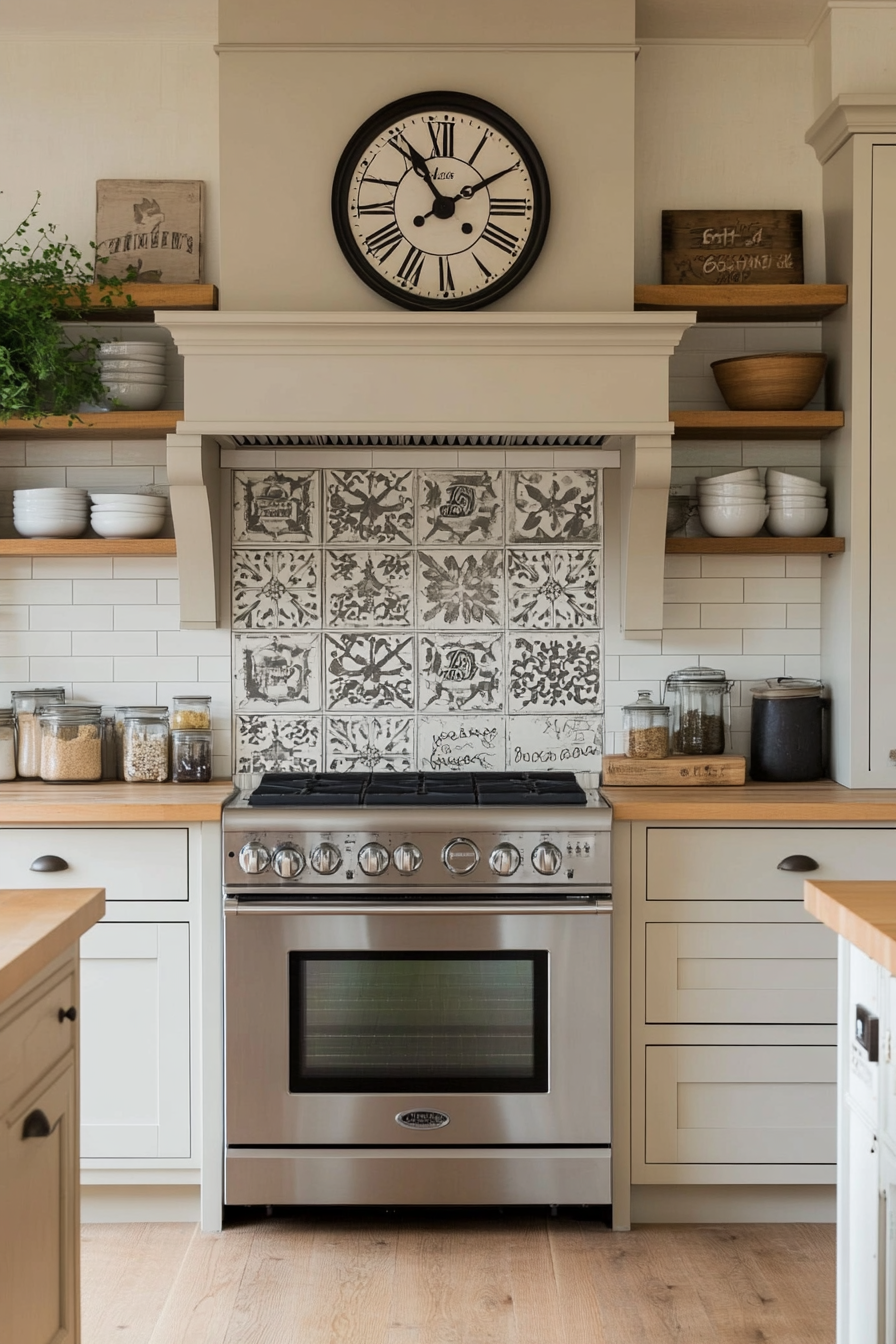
791 20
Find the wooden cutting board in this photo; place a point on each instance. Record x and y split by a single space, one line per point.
675 770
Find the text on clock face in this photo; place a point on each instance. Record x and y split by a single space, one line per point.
441 204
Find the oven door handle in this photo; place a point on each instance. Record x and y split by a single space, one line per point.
232 906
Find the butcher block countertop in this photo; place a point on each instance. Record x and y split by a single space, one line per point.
37 925
862 912
824 801
30 802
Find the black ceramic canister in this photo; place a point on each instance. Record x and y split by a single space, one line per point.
787 731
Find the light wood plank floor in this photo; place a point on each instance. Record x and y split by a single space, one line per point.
328 1278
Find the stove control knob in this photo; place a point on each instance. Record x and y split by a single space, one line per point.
287 862
254 858
373 859
325 858
504 860
407 858
546 858
460 856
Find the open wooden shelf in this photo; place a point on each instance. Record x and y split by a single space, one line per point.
755 545
99 425
744 303
149 299
755 424
88 546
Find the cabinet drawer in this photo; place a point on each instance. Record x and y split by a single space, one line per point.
741 973
32 1038
132 865
739 1103
741 864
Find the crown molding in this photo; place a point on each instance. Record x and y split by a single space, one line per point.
851 114
550 48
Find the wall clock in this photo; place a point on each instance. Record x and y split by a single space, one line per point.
441 201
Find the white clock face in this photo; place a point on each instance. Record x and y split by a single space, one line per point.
441 207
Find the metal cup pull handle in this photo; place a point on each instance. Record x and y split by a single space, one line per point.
48 863
798 863
37 1126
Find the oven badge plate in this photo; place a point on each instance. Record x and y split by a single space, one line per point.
423 1119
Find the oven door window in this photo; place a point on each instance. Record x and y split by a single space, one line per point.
442 1021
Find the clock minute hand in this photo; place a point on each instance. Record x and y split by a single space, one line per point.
466 192
418 163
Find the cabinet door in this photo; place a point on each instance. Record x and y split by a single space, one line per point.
881 719
860 1234
135 1041
39 1217
736 1103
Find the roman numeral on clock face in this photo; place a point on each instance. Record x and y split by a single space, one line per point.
383 242
509 205
377 208
442 135
412 266
446 280
500 238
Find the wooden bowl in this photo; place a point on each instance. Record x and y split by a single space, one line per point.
780 382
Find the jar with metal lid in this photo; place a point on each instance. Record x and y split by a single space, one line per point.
71 744
645 729
191 711
699 698
787 731
191 755
158 712
26 705
145 749
7 745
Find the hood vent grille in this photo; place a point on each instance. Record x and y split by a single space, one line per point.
417 440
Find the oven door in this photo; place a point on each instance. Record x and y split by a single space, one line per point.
417 1024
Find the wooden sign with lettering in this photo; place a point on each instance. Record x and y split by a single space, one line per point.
732 247
674 770
151 229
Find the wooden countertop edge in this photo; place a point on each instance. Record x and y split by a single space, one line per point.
111 802
53 813
864 913
824 801
37 925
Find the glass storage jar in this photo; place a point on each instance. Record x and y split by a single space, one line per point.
191 755
699 698
145 749
26 705
645 729
7 745
71 744
191 711
121 713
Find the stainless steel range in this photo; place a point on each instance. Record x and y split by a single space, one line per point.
417 1001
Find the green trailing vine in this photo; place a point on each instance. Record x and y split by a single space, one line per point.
43 369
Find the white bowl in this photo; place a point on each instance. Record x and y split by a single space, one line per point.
745 492
156 367
131 350
49 513
51 492
126 524
798 523
783 481
785 503
149 503
136 396
121 508
50 527
745 474
138 379
733 520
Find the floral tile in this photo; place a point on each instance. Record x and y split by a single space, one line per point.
370 742
555 742
278 742
460 588
461 742
554 506
276 671
460 506
276 507
554 672
554 590
460 672
276 590
370 507
372 671
369 588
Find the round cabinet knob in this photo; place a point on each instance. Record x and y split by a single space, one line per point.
288 862
546 858
254 858
325 858
407 858
460 856
373 859
504 860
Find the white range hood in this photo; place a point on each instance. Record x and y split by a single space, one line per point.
406 377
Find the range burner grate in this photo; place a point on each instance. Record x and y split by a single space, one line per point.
419 789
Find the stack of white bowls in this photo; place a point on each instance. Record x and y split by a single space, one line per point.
59 511
732 505
127 515
133 373
797 507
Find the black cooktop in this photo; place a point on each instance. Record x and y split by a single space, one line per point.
420 789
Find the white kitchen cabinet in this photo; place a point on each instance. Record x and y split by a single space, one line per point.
132 865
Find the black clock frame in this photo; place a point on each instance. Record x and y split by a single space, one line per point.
397 111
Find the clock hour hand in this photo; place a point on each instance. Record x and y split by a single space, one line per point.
418 163
466 192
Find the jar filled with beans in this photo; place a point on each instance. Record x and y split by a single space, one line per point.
645 729
191 755
145 750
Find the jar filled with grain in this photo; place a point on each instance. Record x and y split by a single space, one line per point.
122 712
145 750
71 744
7 745
191 711
699 698
645 729
191 755
27 706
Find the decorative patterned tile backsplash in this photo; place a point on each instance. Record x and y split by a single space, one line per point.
417 619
